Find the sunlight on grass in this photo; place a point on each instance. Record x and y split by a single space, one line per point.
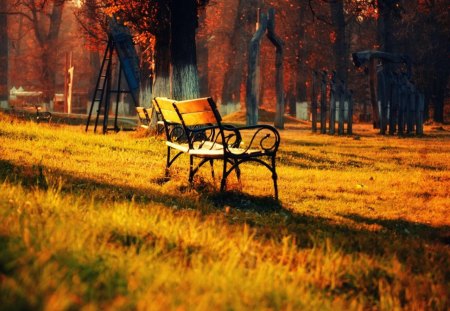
88 222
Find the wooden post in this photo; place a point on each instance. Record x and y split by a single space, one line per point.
314 102
278 43
323 103
413 109
401 107
334 97
373 92
420 102
265 23
381 100
342 101
393 103
350 113
251 101
409 109
68 83
368 99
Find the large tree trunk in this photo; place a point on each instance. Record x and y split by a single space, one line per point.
242 33
48 42
384 26
253 82
3 52
202 58
94 56
162 82
438 87
437 60
183 50
302 72
94 62
339 46
161 79
145 88
279 81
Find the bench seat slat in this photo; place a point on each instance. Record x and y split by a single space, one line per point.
140 111
207 145
181 147
199 118
195 105
170 116
218 153
164 103
149 111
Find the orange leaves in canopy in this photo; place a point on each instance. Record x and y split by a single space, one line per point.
113 9
363 9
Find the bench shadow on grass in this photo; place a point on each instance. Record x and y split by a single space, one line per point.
36 176
405 240
305 160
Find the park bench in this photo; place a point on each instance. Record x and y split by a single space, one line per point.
145 116
45 116
195 127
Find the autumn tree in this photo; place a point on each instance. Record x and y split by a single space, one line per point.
183 49
94 37
340 47
202 53
44 18
388 12
302 71
424 34
168 27
243 28
420 30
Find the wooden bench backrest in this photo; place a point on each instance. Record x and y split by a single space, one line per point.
141 113
198 111
149 112
166 109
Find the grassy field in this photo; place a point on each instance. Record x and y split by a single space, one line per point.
88 222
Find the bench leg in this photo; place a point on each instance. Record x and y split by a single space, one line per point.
168 161
234 166
211 162
238 172
274 177
191 169
223 182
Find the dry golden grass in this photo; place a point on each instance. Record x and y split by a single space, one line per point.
88 222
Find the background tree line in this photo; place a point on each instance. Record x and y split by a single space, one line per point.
192 48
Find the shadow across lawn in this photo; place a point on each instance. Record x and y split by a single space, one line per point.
40 177
304 160
407 228
421 247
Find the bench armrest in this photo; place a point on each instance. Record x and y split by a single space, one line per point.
210 136
175 132
264 138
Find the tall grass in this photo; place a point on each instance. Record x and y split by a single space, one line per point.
88 222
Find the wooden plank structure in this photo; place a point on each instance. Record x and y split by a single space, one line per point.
266 25
401 104
396 103
335 107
